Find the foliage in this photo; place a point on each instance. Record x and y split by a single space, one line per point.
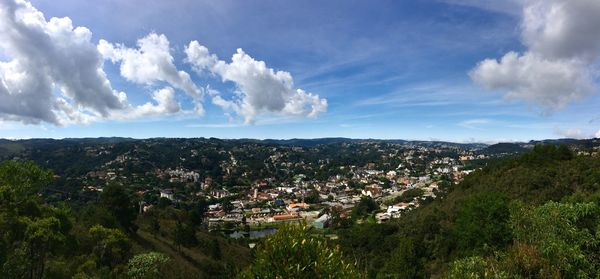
364 207
146 266
44 240
407 196
405 263
23 179
112 247
119 204
184 235
568 235
483 223
294 252
503 221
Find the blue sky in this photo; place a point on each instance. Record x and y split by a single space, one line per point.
370 69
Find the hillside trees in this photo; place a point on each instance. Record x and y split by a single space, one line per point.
482 224
117 201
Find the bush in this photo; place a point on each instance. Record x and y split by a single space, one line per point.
293 252
146 266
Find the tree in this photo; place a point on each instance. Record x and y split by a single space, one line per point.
227 205
146 266
184 235
469 268
154 225
312 197
23 179
403 262
566 234
365 206
215 249
29 232
111 246
164 202
199 208
294 252
41 236
118 202
483 223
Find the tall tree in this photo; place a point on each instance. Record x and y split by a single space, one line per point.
294 252
117 201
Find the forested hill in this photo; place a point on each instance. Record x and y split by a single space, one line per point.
106 238
532 216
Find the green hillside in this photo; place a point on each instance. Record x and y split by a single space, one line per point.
103 239
485 226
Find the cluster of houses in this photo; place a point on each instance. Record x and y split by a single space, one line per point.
268 200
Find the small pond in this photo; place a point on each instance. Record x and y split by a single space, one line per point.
252 234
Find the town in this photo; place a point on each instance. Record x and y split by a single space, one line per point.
252 184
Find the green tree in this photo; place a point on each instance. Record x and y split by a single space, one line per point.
469 268
154 225
568 235
111 246
146 266
294 252
403 262
215 249
118 202
483 223
184 234
227 205
23 179
365 206
41 236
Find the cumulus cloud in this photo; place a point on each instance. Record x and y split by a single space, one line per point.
549 83
260 89
151 62
597 135
562 28
563 45
45 56
165 103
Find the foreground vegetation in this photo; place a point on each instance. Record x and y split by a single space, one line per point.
532 216
103 239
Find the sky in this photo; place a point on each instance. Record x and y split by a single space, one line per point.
454 70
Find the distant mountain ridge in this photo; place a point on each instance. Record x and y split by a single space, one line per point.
519 147
8 146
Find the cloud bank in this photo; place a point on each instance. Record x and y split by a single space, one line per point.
149 63
563 44
49 55
260 89
55 74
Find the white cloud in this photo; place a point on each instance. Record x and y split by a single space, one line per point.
46 56
165 104
573 133
260 89
597 135
563 45
151 62
551 84
562 28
